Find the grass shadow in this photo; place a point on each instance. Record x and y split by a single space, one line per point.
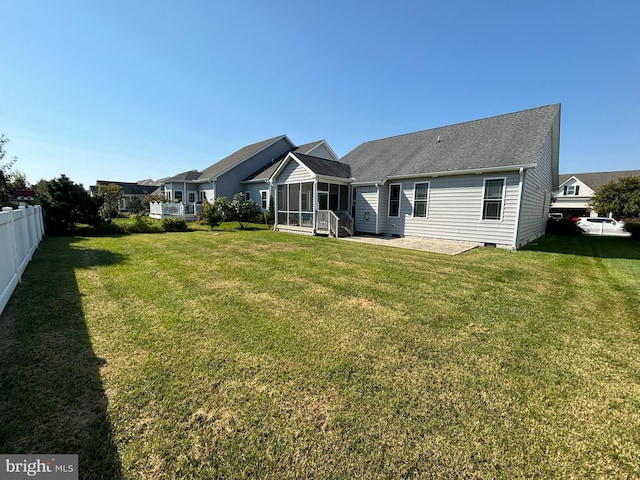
588 245
52 399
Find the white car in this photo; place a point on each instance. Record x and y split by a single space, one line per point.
602 226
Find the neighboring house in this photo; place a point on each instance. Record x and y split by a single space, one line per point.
130 190
487 181
245 171
574 193
24 195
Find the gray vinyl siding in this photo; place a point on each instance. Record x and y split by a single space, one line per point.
228 183
536 195
186 189
322 152
366 202
454 210
293 172
254 190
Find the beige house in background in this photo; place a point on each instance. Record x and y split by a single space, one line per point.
575 190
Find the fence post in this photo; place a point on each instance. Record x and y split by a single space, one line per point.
12 240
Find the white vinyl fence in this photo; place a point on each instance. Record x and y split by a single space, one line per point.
20 233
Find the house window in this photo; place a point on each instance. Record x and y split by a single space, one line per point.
263 199
247 196
192 197
571 189
177 196
420 193
493 199
394 200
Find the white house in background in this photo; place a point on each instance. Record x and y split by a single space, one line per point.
487 181
576 189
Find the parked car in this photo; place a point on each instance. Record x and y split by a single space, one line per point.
602 226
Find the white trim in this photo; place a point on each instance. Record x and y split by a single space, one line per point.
520 198
285 162
389 200
573 177
428 199
504 192
324 142
475 171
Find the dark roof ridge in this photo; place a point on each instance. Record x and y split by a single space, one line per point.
319 158
463 123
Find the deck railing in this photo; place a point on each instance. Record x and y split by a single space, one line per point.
330 221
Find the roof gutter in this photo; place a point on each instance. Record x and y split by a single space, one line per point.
473 171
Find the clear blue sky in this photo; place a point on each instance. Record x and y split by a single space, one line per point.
127 90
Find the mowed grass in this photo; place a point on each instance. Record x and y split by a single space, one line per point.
254 354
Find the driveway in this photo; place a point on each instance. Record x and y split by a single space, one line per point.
423 244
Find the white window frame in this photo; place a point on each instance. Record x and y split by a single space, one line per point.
399 185
175 196
484 199
425 200
264 199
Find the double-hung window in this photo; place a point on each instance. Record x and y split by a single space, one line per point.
263 199
420 197
394 200
493 199
572 189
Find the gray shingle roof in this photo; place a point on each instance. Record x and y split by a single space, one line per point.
128 188
307 147
507 140
189 176
322 166
265 173
595 180
236 158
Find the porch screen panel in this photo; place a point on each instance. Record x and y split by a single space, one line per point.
294 197
344 198
282 198
307 197
333 197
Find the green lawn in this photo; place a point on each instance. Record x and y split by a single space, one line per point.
253 354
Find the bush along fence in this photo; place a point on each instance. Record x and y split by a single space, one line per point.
20 233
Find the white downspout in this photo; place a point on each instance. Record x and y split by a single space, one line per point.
520 190
275 206
379 211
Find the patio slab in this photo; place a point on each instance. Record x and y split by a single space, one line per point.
412 243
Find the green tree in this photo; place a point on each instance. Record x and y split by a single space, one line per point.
66 204
217 212
621 198
244 211
6 188
135 206
111 195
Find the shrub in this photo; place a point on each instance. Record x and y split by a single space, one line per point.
633 227
143 224
174 225
563 227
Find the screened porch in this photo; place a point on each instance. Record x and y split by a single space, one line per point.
314 208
